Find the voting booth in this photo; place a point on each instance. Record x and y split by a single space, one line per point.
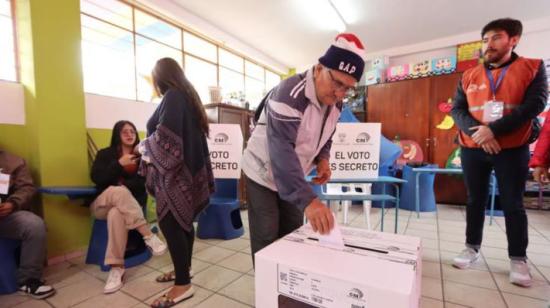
222 218
372 269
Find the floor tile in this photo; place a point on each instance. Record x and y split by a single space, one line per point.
472 296
241 290
213 254
221 301
215 278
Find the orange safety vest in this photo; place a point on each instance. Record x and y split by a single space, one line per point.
511 91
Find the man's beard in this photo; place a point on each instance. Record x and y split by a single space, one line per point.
495 55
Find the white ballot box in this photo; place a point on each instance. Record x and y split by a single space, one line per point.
373 270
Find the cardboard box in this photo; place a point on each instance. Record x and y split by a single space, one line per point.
374 270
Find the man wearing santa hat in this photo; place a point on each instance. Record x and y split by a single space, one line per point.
292 137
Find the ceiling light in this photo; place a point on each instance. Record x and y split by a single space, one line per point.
323 14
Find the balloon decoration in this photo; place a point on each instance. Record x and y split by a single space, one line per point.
448 121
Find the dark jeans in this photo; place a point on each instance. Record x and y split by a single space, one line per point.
269 217
511 170
31 231
180 245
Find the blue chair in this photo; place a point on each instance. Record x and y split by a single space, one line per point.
136 251
222 217
389 153
98 247
427 197
9 259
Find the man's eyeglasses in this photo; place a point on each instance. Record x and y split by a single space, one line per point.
339 86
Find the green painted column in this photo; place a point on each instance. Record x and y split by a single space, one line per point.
51 72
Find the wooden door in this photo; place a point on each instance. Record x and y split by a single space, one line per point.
448 188
403 109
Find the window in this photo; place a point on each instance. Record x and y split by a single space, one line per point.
271 80
107 59
7 47
232 84
199 47
202 75
231 60
148 52
121 44
158 30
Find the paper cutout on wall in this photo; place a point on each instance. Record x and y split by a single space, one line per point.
412 152
445 107
454 159
447 123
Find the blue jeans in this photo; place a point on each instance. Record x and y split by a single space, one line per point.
511 170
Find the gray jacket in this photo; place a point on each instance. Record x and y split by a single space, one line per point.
294 131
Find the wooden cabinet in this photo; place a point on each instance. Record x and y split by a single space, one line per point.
409 109
223 113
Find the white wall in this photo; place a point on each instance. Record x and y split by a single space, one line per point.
535 43
12 103
104 111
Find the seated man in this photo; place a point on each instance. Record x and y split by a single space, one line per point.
17 222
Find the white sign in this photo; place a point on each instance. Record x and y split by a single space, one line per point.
226 150
355 151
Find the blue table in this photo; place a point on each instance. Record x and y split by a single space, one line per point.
362 197
72 192
419 171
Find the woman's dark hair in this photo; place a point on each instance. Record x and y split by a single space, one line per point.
167 75
117 129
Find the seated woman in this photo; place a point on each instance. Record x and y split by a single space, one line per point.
121 196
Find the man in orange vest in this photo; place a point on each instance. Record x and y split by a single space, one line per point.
495 107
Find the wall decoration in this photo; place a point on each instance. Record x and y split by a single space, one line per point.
444 65
468 55
398 72
420 69
447 123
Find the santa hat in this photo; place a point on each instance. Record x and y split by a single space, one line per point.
345 55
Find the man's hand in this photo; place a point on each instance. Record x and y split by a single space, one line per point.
483 134
491 147
323 172
319 216
6 208
540 174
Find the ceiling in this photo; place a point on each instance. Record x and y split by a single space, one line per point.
284 31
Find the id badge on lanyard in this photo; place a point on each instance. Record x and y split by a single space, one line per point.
4 183
493 109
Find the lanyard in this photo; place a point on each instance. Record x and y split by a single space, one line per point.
494 86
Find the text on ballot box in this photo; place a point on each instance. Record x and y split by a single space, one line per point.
355 151
226 150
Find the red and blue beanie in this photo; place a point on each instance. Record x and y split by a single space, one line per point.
345 55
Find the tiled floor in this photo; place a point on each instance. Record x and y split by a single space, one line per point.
224 275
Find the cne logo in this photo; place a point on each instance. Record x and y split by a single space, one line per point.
355 293
362 138
347 67
221 138
341 137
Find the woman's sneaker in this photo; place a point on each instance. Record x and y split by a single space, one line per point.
37 289
156 245
520 274
114 280
466 258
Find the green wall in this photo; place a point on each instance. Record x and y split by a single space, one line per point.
55 133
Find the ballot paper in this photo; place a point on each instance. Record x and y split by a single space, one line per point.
333 238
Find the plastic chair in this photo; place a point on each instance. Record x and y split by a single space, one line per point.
9 259
136 251
222 218
427 197
389 152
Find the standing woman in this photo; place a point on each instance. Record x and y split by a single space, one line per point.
178 172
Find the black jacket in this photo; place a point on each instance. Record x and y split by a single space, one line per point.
106 171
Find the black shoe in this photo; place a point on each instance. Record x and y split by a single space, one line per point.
36 288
